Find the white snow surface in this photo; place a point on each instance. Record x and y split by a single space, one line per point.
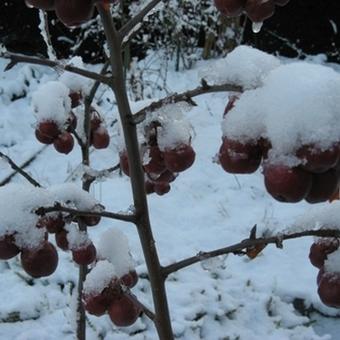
206 209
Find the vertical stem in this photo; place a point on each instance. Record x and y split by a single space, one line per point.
157 281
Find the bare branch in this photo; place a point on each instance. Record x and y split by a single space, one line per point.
20 58
74 212
247 244
133 22
19 170
185 97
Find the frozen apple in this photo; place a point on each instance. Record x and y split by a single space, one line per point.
180 158
8 248
91 220
329 289
74 12
239 158
258 11
320 249
318 160
40 261
53 224
287 184
47 131
124 311
61 240
84 255
324 186
64 143
230 8
130 279
100 138
155 163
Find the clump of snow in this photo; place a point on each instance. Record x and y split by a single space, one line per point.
244 66
289 116
332 264
99 277
73 195
114 247
51 101
76 238
175 129
17 205
319 217
75 82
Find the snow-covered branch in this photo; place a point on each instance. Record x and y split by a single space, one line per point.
75 213
185 97
247 245
20 58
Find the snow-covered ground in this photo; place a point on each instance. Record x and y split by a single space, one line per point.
228 298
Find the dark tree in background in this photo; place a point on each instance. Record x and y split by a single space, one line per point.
302 27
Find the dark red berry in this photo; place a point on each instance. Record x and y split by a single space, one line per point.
239 158
61 240
287 184
64 143
74 12
91 221
84 255
130 279
124 311
8 248
100 138
155 163
180 158
41 261
258 11
329 289
231 8
320 249
52 224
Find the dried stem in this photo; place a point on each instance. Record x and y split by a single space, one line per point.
162 317
247 244
75 213
19 170
20 58
185 97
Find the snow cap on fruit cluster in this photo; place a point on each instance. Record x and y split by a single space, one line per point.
19 202
99 277
319 217
75 82
175 129
51 102
245 66
113 246
297 104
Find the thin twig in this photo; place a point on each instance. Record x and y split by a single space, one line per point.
74 212
246 244
138 18
19 170
184 97
20 58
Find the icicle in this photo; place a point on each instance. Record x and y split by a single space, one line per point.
256 27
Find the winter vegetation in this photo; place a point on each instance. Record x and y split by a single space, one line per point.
198 203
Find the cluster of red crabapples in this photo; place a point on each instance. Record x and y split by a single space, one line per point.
316 179
116 300
256 10
70 12
42 260
328 282
161 167
50 132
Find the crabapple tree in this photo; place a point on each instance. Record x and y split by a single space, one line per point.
299 151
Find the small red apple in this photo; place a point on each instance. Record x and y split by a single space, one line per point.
239 158
100 138
230 8
91 220
329 289
130 279
84 255
52 224
40 261
61 240
156 163
47 131
180 158
74 12
320 249
8 248
287 184
124 311
258 11
64 143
